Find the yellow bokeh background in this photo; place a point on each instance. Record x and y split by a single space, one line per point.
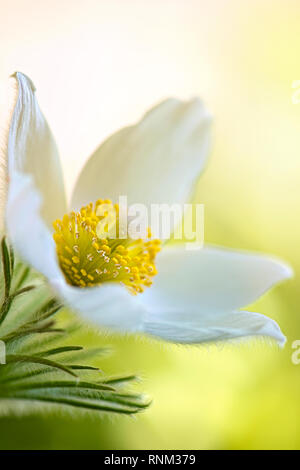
98 65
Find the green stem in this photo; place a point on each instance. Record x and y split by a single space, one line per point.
6 267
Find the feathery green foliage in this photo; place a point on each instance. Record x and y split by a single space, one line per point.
42 371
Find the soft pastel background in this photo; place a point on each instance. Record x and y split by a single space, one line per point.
98 65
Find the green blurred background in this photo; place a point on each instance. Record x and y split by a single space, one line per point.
99 65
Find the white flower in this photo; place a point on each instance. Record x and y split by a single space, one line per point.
197 295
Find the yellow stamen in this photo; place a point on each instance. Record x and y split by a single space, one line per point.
89 258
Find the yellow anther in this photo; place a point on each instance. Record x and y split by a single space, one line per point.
102 259
56 224
65 220
58 238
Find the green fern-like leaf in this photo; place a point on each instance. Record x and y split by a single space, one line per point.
42 370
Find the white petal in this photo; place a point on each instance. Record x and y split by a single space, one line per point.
211 281
8 99
26 229
182 328
109 305
32 150
156 161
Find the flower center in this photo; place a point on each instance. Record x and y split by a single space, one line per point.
89 257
